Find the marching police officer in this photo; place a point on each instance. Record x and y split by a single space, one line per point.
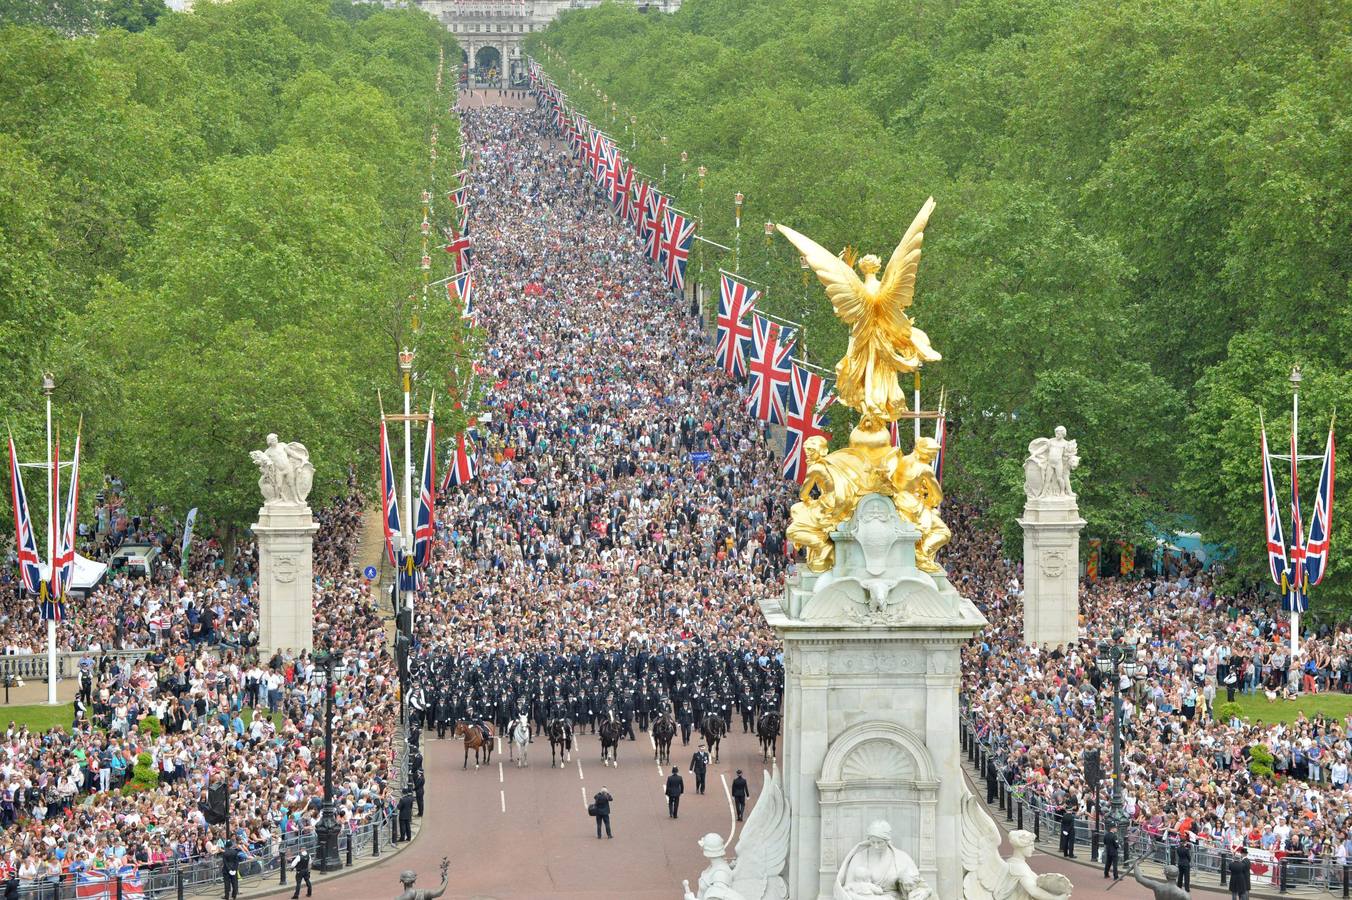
675 788
301 865
740 792
699 764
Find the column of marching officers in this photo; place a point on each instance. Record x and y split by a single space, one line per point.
635 686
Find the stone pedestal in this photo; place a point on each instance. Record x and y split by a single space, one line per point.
1051 570
285 533
871 704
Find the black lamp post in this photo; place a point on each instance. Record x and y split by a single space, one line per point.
327 830
1114 659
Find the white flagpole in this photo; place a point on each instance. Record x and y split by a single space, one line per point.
406 365
917 404
1296 574
48 384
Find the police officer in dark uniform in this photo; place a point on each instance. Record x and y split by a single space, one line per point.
1110 853
699 764
675 788
685 719
406 816
301 865
740 793
419 787
231 857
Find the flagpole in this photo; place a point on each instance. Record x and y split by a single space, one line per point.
48 385
406 368
1296 575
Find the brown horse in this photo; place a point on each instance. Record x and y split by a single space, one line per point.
477 735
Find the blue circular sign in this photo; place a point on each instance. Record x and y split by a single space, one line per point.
370 573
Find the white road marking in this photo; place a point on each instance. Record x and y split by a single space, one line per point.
732 810
503 796
579 767
585 804
499 771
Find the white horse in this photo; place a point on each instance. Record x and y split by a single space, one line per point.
520 739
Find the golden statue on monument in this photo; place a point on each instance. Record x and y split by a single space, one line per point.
884 343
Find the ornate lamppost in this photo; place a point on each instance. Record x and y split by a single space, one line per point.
737 232
1115 659
327 829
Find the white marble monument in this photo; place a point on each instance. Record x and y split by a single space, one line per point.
285 530
1051 543
871 708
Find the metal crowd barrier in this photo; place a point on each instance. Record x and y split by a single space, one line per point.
1209 863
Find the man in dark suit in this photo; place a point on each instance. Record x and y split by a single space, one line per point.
675 788
1185 864
740 792
1068 833
1239 875
406 816
699 764
1110 853
601 802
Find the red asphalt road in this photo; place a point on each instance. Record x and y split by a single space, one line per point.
523 833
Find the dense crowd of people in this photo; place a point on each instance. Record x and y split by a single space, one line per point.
592 558
128 783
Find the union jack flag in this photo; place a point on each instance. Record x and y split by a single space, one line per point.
1276 545
806 417
460 246
65 552
1321 522
463 285
424 526
770 364
638 210
677 237
389 495
101 885
30 572
651 229
464 465
735 300
622 194
459 196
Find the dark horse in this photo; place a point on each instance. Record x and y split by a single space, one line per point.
611 729
767 728
663 731
478 736
560 740
713 728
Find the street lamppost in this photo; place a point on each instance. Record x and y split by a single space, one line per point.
327 829
685 157
769 233
664 160
737 234
1114 659
633 132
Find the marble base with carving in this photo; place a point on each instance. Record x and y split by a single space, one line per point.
872 674
285 533
1051 570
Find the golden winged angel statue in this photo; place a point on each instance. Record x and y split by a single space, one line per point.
883 340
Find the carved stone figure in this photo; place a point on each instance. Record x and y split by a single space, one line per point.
762 851
1167 889
408 876
286 474
1046 471
876 869
988 877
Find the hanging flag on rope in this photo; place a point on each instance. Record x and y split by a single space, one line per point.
64 564
735 300
652 226
1321 522
678 235
463 285
30 572
464 466
424 526
770 365
389 495
805 417
1276 544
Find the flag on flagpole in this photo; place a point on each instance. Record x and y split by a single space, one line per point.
1296 600
1321 521
65 544
389 495
464 287
735 300
770 368
804 418
424 526
1276 544
463 465
30 572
